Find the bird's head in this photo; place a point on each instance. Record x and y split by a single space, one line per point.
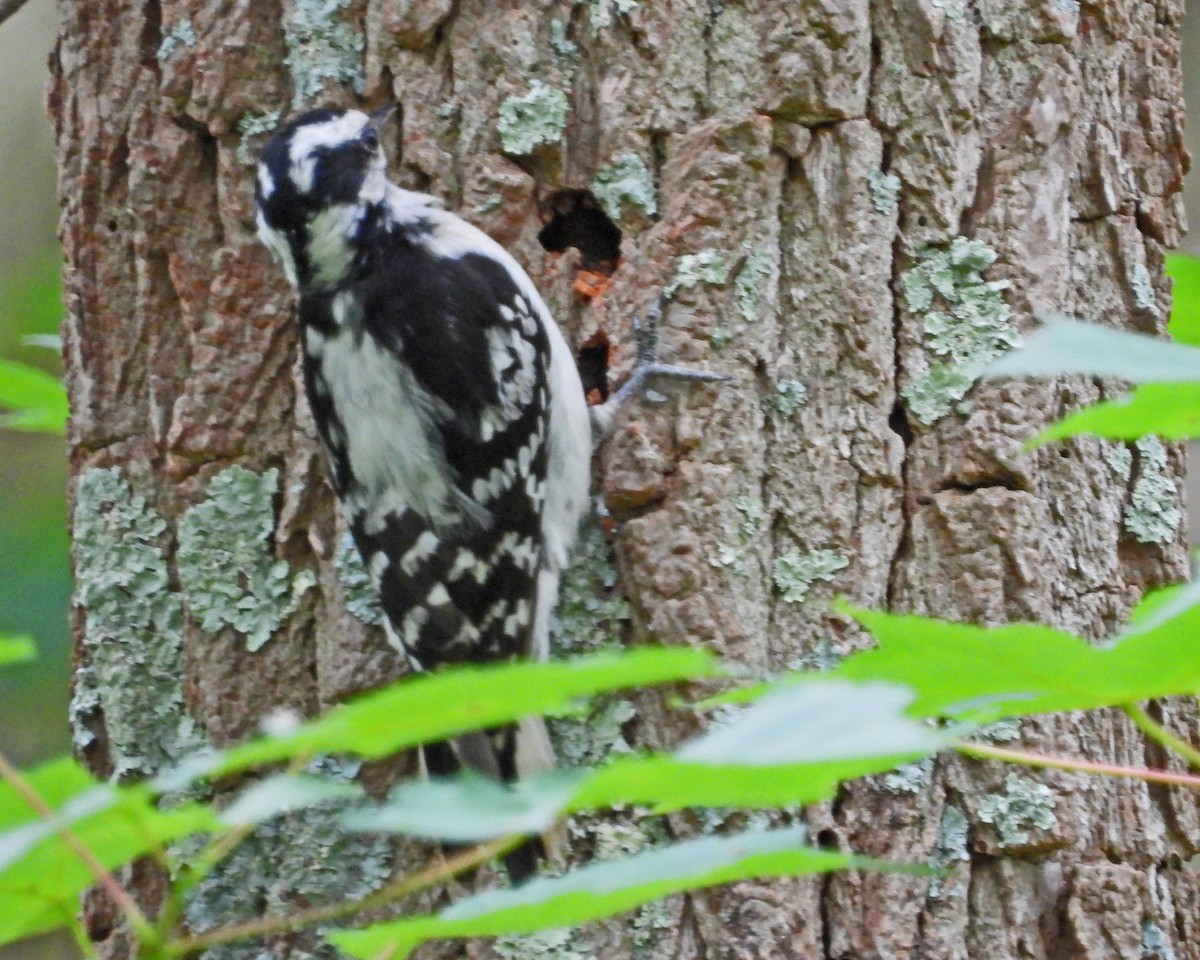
315 172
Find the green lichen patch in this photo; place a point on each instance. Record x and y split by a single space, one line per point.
1024 806
561 44
560 943
226 567
594 737
492 201
625 182
707 266
789 396
1144 297
911 777
966 322
821 656
1119 459
794 573
748 283
132 628
181 34
592 615
954 9
604 12
302 857
1156 944
360 596
1152 514
728 557
954 830
537 118
884 189
750 516
1000 731
733 558
648 925
321 48
254 125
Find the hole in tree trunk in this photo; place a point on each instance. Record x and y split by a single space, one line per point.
592 361
574 218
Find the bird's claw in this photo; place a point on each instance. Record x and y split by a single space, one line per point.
648 369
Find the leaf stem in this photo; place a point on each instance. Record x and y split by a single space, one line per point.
1159 734
138 923
264 926
982 751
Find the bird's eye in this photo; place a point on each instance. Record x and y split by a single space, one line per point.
370 138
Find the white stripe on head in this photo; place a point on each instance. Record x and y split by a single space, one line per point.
306 140
266 182
279 247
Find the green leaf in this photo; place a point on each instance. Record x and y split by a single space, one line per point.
471 808
819 721
284 793
41 878
56 781
1169 410
38 400
433 707
985 673
792 747
604 889
1068 346
16 649
1184 269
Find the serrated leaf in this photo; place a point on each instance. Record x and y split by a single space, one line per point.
986 673
38 400
815 722
1168 410
604 889
284 793
471 808
16 649
793 747
41 875
433 707
1184 270
1067 346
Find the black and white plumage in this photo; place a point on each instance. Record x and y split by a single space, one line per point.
448 403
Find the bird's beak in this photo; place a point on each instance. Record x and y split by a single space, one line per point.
381 116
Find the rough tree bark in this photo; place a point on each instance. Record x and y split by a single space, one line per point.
826 184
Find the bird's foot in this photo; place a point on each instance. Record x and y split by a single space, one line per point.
647 372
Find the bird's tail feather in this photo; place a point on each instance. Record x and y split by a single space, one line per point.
503 753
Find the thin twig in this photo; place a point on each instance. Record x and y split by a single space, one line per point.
103 876
264 926
1159 734
982 751
9 7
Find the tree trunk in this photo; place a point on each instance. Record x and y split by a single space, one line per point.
825 187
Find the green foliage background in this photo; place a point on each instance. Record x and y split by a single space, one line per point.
35 585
